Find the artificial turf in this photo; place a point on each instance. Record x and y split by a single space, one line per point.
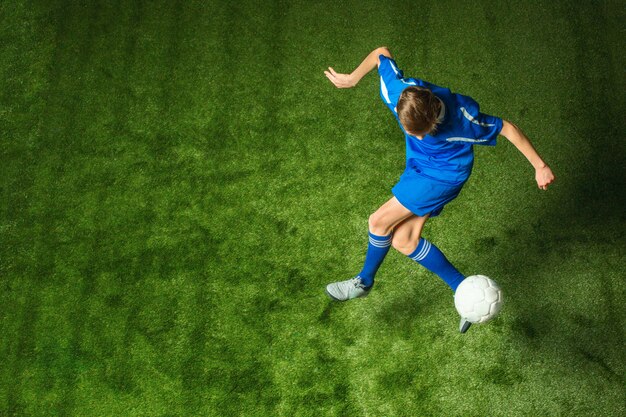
179 182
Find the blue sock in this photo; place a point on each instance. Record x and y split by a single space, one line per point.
431 258
376 251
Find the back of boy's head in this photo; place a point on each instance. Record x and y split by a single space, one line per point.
418 110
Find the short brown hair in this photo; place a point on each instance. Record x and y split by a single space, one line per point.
418 110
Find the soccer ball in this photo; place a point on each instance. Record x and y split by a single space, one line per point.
478 299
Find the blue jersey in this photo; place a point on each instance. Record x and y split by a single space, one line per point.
448 153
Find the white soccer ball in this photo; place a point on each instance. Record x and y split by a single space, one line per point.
478 299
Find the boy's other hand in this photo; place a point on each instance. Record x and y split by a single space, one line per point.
544 177
340 80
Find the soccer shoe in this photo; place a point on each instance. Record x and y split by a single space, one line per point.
347 290
464 325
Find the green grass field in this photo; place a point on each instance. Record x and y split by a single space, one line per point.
180 181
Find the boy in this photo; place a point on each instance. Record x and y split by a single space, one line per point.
440 129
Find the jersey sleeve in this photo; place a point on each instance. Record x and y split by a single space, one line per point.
391 82
483 127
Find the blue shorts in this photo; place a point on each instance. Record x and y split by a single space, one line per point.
424 195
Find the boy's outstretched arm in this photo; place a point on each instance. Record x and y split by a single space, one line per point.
543 173
352 79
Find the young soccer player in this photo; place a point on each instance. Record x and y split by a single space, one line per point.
440 129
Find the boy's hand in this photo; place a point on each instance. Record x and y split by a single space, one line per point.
544 177
350 80
340 80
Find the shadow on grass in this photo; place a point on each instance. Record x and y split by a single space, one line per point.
584 227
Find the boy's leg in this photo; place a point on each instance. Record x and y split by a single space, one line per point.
381 224
407 240
388 216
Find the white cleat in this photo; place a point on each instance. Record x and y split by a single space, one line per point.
464 325
347 290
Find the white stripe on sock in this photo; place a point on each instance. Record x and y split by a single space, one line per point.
380 243
415 258
423 252
380 246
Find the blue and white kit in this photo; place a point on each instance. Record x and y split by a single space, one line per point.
438 165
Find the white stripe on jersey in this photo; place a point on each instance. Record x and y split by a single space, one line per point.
459 139
383 88
473 120
442 112
393 67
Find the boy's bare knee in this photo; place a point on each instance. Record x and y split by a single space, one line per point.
378 225
374 221
403 244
